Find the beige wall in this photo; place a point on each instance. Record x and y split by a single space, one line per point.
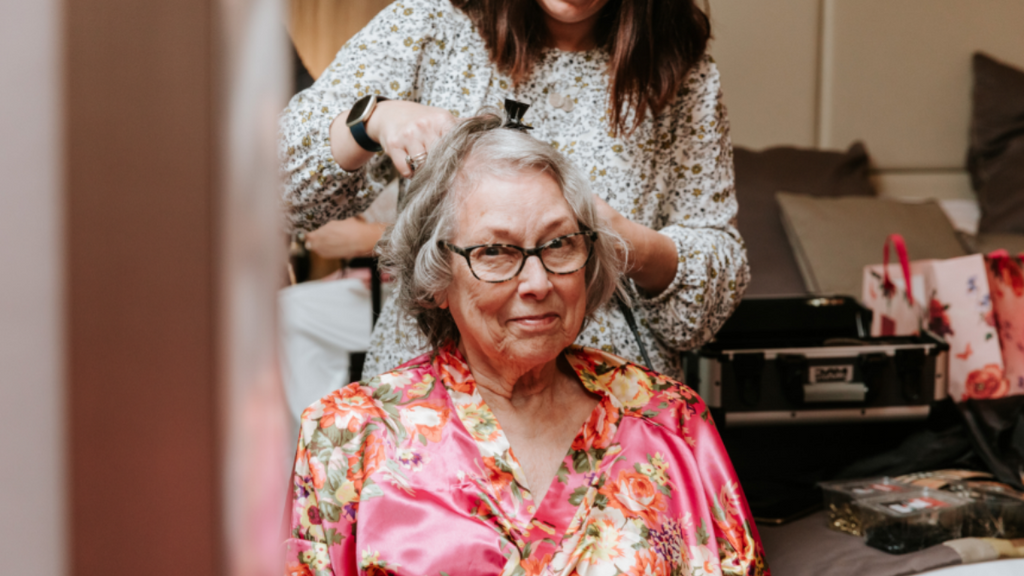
767 53
893 74
32 417
898 74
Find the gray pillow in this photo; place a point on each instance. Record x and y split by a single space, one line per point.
759 175
834 238
985 243
996 155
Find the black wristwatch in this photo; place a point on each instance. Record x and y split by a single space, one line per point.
357 118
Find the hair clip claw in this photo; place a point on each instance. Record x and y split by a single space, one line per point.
515 111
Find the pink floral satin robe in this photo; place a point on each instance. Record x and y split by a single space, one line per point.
412 474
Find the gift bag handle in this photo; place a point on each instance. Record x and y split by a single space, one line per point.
901 252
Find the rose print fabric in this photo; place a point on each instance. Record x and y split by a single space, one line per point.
674 174
959 309
410 473
1006 282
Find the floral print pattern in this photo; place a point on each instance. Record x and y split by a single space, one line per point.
959 308
673 174
426 482
986 383
1006 282
938 319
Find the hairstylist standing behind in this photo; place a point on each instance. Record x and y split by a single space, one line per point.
623 88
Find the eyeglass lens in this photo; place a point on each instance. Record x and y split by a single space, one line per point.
560 256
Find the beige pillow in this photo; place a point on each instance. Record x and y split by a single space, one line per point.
834 238
773 269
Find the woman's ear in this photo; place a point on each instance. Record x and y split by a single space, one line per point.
441 300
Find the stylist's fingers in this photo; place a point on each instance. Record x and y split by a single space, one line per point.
409 146
407 129
410 157
415 160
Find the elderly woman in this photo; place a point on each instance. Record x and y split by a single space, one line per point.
507 449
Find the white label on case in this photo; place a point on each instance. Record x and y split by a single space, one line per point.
837 373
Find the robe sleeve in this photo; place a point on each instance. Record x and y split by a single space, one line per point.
321 538
739 546
694 169
383 58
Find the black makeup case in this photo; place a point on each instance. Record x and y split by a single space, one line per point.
800 393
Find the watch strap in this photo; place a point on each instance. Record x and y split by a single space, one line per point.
358 129
363 139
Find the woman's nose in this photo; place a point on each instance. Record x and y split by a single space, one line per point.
533 279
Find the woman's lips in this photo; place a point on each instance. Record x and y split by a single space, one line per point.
535 322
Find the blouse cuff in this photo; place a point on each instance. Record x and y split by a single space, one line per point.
669 291
674 285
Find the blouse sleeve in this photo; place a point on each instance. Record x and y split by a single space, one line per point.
383 58
694 165
734 533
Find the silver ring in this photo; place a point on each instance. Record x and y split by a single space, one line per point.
415 161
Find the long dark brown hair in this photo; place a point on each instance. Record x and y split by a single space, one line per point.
653 44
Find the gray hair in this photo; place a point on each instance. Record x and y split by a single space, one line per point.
409 250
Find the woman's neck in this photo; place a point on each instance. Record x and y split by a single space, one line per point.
514 383
574 37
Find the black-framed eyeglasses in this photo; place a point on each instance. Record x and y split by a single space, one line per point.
496 263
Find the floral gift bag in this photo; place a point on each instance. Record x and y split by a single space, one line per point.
1006 281
949 298
896 310
959 309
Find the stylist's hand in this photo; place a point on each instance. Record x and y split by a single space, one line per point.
652 256
344 239
610 216
405 129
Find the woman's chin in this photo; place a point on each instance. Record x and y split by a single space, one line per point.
534 346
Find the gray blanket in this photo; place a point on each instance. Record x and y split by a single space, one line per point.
807 547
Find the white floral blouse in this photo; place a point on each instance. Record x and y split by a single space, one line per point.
673 174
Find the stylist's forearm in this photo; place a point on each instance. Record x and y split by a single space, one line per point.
346 151
654 258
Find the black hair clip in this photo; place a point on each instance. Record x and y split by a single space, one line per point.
515 112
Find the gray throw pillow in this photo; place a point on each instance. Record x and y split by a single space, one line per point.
996 155
985 243
833 239
759 175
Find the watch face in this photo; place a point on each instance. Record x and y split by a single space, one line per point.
359 110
